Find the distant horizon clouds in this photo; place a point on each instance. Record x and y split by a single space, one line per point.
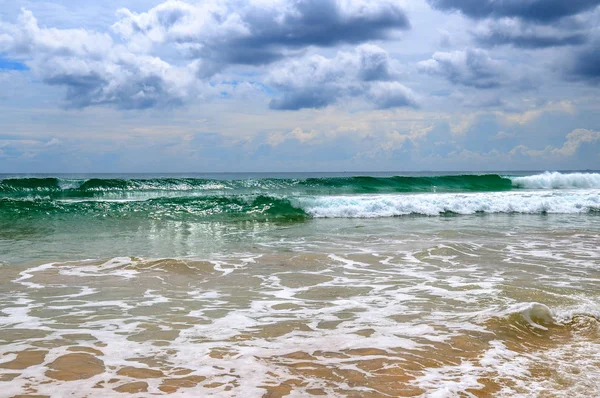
143 85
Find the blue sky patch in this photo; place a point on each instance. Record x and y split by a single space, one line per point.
7 64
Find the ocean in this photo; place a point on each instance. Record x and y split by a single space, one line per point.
300 284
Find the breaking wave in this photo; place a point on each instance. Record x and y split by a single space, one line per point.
539 317
116 187
301 207
558 181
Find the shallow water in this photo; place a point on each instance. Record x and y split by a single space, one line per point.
455 305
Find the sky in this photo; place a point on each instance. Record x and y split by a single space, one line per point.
299 85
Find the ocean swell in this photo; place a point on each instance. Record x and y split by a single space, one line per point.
179 208
61 188
257 207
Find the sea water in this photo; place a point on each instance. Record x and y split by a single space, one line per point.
347 284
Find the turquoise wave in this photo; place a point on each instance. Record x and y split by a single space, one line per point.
207 207
60 188
296 199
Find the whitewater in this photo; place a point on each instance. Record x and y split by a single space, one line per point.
307 284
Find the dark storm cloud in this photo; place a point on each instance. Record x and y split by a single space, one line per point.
94 89
323 23
543 11
585 64
496 34
304 98
526 23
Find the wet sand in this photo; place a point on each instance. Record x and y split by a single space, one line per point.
453 316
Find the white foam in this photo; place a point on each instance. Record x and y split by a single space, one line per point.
389 205
449 381
408 298
28 274
115 266
65 184
557 180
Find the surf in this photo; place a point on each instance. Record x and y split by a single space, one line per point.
73 187
301 207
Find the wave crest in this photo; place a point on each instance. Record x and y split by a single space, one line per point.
557 180
539 317
58 188
235 207
439 204
341 185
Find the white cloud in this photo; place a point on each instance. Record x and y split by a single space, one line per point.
316 81
573 142
26 148
472 67
528 116
256 32
164 56
302 136
95 70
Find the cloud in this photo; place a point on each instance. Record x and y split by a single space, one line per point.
164 57
26 148
258 32
574 141
542 11
527 23
585 63
304 137
522 34
472 67
316 81
387 95
445 40
527 116
95 70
